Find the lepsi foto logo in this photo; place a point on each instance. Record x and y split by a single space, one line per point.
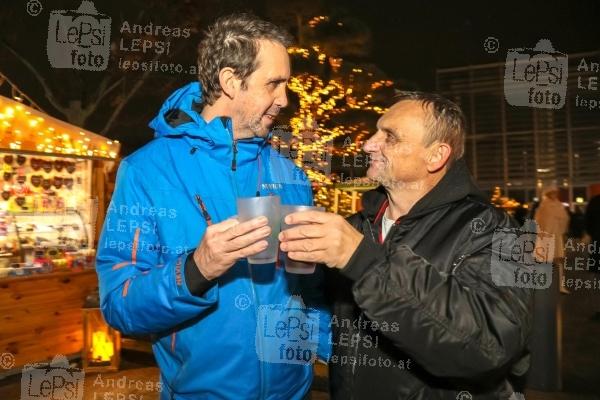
79 39
536 77
287 334
522 257
52 381
314 153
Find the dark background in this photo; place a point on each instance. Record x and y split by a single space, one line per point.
407 41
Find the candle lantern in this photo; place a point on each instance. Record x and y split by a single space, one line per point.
101 343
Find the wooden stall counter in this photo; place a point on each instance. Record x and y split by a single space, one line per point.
40 315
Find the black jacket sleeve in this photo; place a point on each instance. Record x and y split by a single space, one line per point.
196 282
457 325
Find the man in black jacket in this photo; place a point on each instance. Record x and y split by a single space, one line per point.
421 280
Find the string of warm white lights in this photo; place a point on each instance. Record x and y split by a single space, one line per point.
26 129
319 101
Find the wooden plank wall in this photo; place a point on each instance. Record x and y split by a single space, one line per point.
40 316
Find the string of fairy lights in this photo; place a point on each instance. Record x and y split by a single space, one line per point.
319 101
24 128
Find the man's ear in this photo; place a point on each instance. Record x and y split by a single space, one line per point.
438 156
230 83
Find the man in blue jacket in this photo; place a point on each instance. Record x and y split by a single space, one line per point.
172 256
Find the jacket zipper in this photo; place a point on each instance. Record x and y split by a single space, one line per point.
259 341
371 231
234 151
356 347
462 258
457 263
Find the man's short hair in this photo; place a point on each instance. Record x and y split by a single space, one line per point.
444 121
233 41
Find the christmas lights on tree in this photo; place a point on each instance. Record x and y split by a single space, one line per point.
336 99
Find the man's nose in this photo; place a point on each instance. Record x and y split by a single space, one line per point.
281 100
372 145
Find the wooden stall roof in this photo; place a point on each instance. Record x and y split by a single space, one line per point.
27 130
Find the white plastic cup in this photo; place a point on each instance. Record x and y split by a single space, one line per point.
293 266
268 206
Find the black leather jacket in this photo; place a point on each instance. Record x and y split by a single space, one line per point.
419 316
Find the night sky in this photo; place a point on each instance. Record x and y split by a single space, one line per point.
412 39
409 40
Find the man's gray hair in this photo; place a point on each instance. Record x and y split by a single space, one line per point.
444 121
233 41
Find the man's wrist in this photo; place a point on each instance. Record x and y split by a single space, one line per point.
200 265
366 255
356 240
196 282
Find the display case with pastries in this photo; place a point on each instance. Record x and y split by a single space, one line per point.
45 214
47 210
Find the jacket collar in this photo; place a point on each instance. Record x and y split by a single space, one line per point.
179 118
455 185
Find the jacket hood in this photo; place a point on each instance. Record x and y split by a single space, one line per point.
456 184
179 116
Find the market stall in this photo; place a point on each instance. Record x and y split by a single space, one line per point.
52 190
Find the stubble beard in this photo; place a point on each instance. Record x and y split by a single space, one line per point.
257 128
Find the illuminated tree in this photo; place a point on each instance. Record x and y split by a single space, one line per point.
337 104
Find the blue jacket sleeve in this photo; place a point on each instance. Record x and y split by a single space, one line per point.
139 293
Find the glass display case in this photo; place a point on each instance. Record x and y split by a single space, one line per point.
46 214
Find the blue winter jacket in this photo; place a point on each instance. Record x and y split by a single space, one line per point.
255 333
